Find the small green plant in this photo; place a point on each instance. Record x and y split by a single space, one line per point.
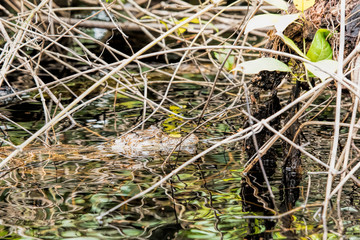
320 48
230 61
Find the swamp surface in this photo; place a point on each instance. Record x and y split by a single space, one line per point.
57 192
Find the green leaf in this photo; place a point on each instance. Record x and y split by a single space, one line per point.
230 62
293 46
320 48
326 66
278 3
262 64
280 22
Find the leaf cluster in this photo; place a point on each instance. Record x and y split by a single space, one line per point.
320 52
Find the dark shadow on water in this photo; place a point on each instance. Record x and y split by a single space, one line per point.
255 194
256 199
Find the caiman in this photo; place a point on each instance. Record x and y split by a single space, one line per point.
139 143
152 141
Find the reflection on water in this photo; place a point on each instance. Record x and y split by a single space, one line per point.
56 193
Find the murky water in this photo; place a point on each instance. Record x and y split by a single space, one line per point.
57 193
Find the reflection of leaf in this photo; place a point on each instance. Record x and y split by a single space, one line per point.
280 22
293 46
177 109
131 104
187 26
319 236
302 5
222 127
129 189
262 64
173 121
320 48
175 135
100 198
169 124
229 64
201 234
280 4
349 209
132 232
329 66
70 234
